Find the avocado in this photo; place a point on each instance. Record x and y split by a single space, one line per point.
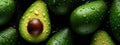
8 36
7 8
35 24
62 7
62 37
86 18
101 37
115 19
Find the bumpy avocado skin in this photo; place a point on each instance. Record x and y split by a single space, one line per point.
62 7
62 37
115 19
86 18
101 37
7 8
37 10
8 36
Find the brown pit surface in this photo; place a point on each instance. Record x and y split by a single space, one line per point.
35 27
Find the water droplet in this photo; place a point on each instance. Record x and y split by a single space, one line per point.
11 40
87 18
48 23
100 18
103 42
118 14
36 12
118 25
71 1
31 10
115 27
95 39
53 1
44 19
43 13
87 1
23 17
92 8
59 3
86 21
29 17
5 1
1 5
29 39
108 11
84 15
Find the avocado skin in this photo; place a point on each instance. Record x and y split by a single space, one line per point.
62 37
101 37
86 18
62 7
8 36
7 8
36 10
115 19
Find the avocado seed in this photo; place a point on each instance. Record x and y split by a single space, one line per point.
35 27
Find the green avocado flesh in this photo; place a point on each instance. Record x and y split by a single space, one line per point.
63 37
7 8
86 18
101 37
39 11
8 36
115 19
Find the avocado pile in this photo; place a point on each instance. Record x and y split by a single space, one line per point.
60 22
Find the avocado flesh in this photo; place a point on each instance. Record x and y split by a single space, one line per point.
37 10
8 36
101 37
86 18
62 37
7 8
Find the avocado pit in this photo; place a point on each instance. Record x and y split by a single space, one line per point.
35 27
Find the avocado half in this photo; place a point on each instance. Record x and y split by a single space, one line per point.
38 10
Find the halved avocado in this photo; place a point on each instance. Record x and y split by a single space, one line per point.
101 37
35 25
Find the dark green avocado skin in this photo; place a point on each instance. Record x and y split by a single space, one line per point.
115 19
7 8
86 18
61 7
8 36
62 37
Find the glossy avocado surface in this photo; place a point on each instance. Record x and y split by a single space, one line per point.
35 25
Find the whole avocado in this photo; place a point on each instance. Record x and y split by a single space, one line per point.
62 7
7 8
8 36
115 19
62 37
35 24
86 18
